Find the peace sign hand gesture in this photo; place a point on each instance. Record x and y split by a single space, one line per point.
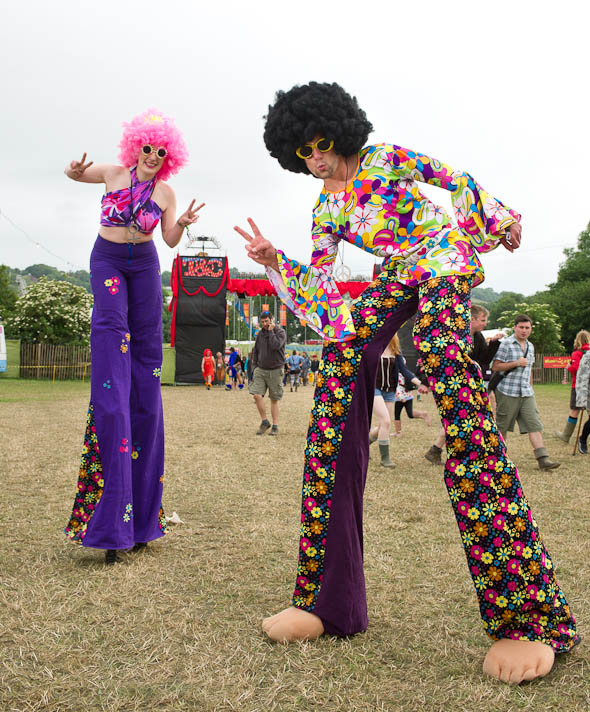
190 214
77 168
259 249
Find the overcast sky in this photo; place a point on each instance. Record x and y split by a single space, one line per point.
497 89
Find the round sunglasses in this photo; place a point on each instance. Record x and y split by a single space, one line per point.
322 144
160 152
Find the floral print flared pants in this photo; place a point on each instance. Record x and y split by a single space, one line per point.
518 594
119 497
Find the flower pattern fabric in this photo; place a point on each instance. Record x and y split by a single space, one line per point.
120 207
90 483
513 575
383 212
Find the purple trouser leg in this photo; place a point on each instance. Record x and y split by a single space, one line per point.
120 484
147 420
330 580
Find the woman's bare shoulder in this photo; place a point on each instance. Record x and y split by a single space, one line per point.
163 194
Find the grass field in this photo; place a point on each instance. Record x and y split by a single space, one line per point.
178 627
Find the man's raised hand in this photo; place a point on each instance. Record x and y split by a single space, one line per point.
512 238
259 249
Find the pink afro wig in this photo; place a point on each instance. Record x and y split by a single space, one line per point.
155 129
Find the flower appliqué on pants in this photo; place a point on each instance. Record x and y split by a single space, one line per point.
128 515
112 284
157 372
124 343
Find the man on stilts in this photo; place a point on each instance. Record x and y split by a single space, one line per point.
371 199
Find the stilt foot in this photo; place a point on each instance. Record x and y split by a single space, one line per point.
293 624
515 661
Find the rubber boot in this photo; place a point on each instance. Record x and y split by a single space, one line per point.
384 452
543 459
433 454
567 431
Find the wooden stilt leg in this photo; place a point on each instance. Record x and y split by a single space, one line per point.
580 419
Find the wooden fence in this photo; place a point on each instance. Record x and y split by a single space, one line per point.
61 363
549 375
54 363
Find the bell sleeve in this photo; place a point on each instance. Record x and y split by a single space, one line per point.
484 218
582 382
310 292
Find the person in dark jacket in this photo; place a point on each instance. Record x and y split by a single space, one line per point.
268 361
482 352
391 365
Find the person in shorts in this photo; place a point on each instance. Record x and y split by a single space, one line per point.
391 365
514 394
268 362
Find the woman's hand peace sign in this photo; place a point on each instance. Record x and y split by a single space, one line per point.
190 214
77 168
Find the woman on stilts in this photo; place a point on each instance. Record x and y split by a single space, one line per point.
370 198
118 504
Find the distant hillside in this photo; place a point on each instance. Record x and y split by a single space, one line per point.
31 274
81 278
485 295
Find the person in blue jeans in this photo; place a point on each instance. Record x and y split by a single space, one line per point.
294 364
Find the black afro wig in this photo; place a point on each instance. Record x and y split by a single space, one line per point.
304 112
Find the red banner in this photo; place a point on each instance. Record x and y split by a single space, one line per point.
263 288
556 361
283 315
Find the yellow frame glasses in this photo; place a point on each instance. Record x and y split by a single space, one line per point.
322 144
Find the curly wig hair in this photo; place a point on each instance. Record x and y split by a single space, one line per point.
153 128
310 110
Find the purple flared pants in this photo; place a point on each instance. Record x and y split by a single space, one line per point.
119 497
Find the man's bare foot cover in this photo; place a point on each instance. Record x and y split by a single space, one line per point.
293 624
515 661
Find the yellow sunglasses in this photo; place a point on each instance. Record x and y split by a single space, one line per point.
322 144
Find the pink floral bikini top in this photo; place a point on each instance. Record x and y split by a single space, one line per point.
131 207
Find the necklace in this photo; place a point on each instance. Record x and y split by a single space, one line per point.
342 273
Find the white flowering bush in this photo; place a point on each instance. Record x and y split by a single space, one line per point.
546 331
52 312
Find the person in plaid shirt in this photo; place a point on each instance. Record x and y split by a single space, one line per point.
515 395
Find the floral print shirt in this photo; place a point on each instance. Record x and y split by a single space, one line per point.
383 212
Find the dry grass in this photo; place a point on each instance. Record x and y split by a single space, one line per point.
178 627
